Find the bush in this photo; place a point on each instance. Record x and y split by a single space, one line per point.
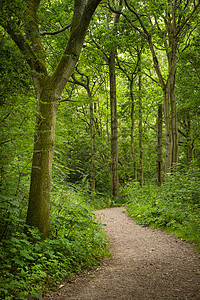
31 266
174 207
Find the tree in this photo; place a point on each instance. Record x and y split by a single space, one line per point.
91 85
20 20
109 54
160 145
141 169
130 73
167 22
188 93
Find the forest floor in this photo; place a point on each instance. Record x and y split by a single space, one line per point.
147 264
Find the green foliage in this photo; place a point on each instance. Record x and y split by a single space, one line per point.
175 207
31 266
15 73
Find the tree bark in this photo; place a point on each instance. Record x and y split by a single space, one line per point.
141 169
114 127
159 146
132 131
40 187
92 136
166 105
172 61
113 108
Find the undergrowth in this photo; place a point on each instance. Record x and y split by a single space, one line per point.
30 266
175 207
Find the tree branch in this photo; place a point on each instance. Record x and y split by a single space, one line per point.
187 19
126 17
5 117
153 79
99 47
55 32
79 27
24 46
69 100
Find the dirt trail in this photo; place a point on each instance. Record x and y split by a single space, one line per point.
146 265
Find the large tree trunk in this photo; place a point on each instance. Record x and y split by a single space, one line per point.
39 195
114 127
160 147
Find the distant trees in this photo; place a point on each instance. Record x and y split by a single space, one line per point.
165 28
108 49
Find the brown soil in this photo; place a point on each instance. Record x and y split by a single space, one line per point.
147 265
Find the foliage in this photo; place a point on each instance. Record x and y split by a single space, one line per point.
174 207
31 266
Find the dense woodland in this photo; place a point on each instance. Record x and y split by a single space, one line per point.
99 106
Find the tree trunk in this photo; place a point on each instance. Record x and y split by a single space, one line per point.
107 119
160 147
132 131
113 109
166 101
39 195
140 121
168 137
174 127
92 135
114 127
171 55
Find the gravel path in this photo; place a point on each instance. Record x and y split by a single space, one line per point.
147 265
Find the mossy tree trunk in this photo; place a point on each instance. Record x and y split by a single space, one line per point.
39 196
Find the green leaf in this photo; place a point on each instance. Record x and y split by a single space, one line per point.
25 254
18 261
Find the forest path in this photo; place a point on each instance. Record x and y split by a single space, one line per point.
147 265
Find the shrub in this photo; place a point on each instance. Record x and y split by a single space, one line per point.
174 207
31 266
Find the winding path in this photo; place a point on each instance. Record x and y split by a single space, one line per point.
147 265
